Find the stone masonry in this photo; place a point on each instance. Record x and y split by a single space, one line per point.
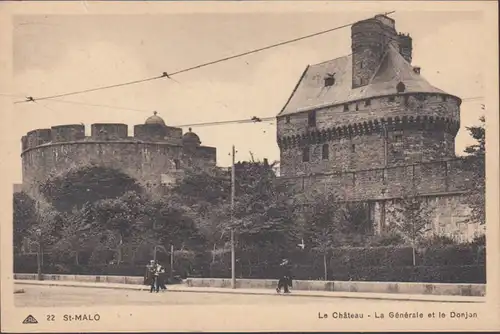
154 156
369 127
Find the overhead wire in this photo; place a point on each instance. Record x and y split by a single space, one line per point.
255 119
169 75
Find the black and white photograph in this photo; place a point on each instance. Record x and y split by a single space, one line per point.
320 163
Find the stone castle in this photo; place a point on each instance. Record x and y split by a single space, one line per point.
369 127
153 156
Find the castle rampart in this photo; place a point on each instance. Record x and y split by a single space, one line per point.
155 152
370 133
440 177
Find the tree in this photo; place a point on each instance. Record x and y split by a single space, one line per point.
86 185
76 234
263 216
323 224
475 162
25 216
412 218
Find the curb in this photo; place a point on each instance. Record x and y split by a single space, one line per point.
76 285
297 293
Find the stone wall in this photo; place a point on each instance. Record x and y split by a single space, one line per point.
439 177
56 151
444 184
383 131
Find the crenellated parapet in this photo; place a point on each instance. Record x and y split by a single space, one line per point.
109 131
377 126
101 132
155 153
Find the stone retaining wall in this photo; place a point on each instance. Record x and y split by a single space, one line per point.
343 286
84 278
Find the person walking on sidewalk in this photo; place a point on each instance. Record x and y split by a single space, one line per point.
285 280
148 275
161 277
155 274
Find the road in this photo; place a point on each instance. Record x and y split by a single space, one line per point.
59 296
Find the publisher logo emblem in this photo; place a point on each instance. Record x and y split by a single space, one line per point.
30 320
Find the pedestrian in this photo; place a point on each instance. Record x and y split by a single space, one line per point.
155 273
148 274
285 280
161 277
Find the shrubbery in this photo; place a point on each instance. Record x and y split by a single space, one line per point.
463 263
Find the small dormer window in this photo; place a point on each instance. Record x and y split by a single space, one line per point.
400 87
330 79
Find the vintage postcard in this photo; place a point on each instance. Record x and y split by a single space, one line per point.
249 166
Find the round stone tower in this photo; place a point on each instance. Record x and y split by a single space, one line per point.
151 157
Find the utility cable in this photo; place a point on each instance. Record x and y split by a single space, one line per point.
168 75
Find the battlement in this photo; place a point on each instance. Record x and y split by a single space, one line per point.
100 132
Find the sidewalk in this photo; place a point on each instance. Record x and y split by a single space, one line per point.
298 293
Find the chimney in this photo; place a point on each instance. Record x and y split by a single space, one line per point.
405 46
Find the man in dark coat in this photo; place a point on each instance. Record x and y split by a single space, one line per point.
285 281
148 275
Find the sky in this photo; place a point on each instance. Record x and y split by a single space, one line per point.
55 54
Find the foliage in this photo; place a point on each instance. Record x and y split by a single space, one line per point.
479 240
262 215
412 218
479 134
475 161
86 185
24 216
438 241
386 238
323 222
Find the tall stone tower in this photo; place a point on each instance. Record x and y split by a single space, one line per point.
369 127
371 109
